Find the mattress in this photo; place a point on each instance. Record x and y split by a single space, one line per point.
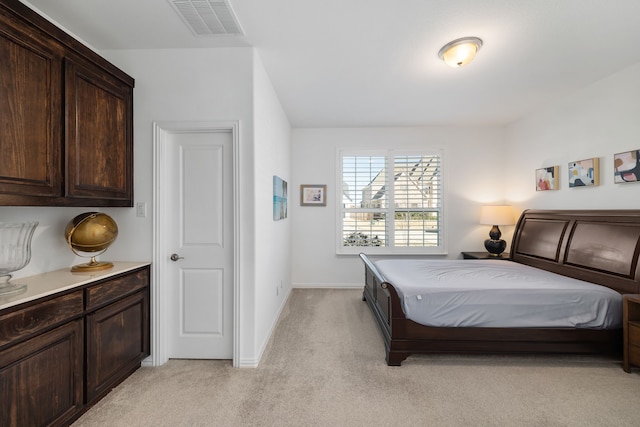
494 294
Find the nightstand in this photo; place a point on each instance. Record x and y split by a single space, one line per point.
484 255
631 331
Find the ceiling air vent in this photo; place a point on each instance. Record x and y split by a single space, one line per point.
207 17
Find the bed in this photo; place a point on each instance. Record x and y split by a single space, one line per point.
599 247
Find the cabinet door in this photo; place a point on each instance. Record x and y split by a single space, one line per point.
117 341
41 379
30 115
99 137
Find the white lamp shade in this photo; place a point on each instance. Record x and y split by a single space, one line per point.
497 215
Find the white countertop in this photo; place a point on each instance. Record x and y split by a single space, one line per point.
42 285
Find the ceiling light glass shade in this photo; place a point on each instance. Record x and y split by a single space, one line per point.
460 51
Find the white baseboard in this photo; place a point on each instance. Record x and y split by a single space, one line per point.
253 363
328 285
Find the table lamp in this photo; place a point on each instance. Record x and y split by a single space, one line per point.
495 216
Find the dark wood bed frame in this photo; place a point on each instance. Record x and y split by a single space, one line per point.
599 246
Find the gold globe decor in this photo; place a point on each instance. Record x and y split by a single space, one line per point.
89 235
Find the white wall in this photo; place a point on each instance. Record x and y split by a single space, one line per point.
596 121
171 85
272 144
226 84
184 85
472 166
49 250
482 165
197 85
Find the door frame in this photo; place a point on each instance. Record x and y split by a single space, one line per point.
160 289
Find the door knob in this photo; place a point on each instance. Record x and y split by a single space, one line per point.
175 257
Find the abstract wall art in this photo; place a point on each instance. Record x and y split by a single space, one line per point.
626 166
584 173
547 178
279 198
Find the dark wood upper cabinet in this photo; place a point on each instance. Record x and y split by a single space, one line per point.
30 112
66 118
98 135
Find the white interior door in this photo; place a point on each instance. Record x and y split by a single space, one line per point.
200 262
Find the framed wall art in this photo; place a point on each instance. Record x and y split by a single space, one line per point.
584 173
547 178
279 198
313 195
626 166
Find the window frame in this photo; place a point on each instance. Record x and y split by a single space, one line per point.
389 155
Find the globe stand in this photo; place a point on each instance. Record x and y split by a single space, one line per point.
89 235
92 265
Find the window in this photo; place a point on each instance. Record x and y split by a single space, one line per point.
391 202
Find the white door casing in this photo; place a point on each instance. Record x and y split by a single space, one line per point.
195 303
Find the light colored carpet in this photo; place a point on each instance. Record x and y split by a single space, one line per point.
325 367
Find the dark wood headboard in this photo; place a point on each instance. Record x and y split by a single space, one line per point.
599 246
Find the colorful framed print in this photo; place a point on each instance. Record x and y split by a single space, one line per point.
626 166
279 198
584 173
547 178
313 195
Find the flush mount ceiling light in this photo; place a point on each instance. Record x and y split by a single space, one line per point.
460 51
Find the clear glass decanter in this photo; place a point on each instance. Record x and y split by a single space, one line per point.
15 253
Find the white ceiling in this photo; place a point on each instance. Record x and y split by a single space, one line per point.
338 63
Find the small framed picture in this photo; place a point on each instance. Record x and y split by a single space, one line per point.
627 166
584 173
547 178
313 195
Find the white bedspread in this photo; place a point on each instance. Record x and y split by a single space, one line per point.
492 293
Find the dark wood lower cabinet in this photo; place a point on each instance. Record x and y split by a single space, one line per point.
61 354
42 378
118 340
